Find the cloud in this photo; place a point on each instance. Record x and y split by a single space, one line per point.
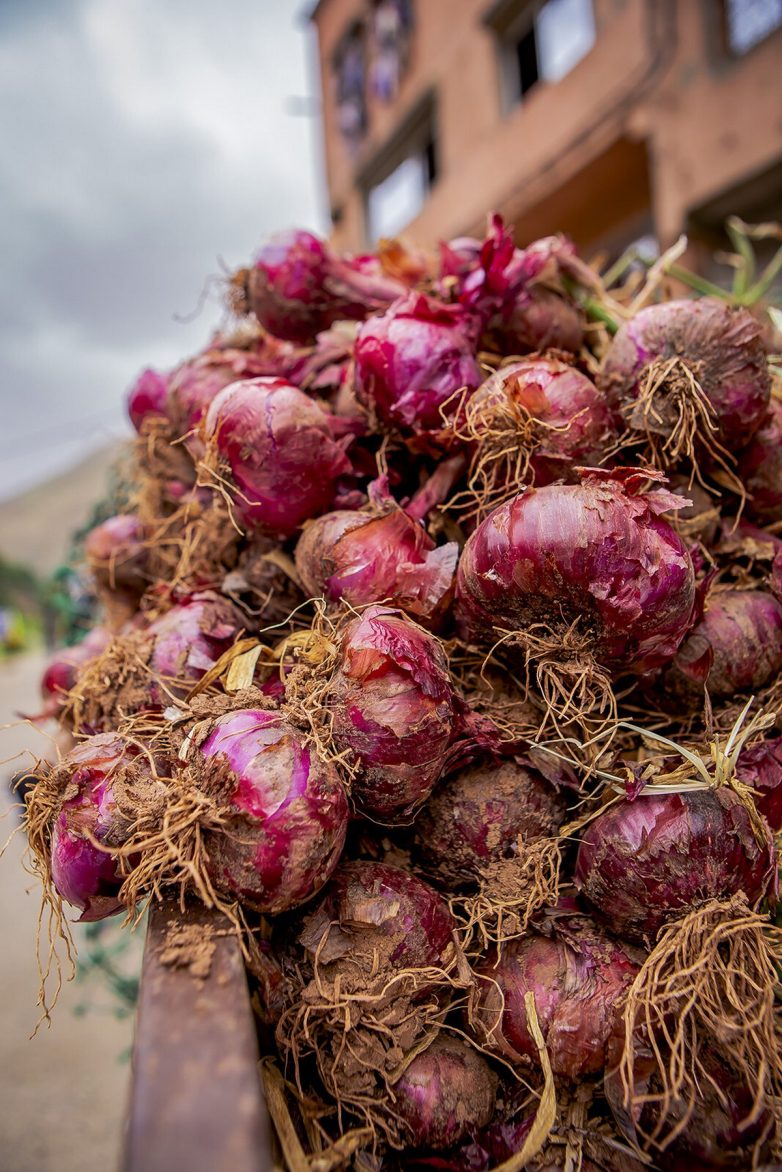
144 143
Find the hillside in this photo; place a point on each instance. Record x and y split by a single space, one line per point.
35 527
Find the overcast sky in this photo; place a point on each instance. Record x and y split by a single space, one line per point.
144 142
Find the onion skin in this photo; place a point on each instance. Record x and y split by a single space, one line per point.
188 640
445 1093
736 647
476 817
280 448
394 708
372 910
86 876
596 551
62 670
722 346
363 557
116 554
147 397
578 977
570 420
761 768
297 287
412 360
289 813
760 468
645 862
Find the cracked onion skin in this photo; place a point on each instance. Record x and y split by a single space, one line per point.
597 553
287 813
645 862
720 344
394 708
445 1093
578 976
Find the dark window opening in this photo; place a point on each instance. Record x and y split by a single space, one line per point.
527 61
430 161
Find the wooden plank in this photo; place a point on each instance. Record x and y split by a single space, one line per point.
196 1099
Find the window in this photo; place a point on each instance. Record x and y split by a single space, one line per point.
397 185
748 22
540 42
350 83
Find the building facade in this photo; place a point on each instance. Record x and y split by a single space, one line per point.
611 120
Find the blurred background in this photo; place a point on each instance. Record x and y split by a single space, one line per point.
150 147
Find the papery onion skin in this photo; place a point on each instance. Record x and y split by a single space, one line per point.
476 816
411 362
736 647
371 912
147 397
760 767
760 467
569 420
117 555
445 1093
288 813
645 862
362 557
393 707
578 977
597 552
62 670
187 641
279 446
85 875
720 344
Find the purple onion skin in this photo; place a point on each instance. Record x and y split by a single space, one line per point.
760 468
720 1132
445 1093
62 670
290 813
575 424
147 397
188 641
369 908
722 345
596 551
476 817
363 558
394 708
282 455
643 863
761 768
297 287
84 875
117 555
412 360
736 647
578 977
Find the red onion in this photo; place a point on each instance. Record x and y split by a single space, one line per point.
394 708
595 552
708 340
532 421
478 815
147 397
187 641
376 921
281 451
298 287
445 1093
761 768
117 555
760 467
288 813
85 875
62 670
578 977
644 862
736 647
412 361
384 554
